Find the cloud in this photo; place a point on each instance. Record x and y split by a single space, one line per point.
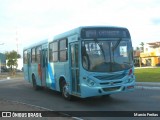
156 21
37 19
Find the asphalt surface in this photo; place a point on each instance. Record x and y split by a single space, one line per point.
17 106
148 85
14 106
11 106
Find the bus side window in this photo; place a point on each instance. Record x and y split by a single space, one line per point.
38 54
53 52
63 50
33 55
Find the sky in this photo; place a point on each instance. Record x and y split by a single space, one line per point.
28 21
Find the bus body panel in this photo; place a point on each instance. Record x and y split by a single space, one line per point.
108 86
32 69
81 82
34 72
26 75
62 69
27 66
51 81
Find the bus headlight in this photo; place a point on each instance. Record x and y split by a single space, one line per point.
90 82
130 80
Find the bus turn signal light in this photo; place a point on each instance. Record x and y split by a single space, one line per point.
130 72
130 87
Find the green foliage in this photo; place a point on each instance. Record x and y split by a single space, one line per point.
12 59
142 44
147 75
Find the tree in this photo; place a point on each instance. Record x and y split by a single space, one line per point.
12 60
142 46
137 48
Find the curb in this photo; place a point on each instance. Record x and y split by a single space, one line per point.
148 85
147 88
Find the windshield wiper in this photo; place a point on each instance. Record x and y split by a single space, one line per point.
100 46
116 45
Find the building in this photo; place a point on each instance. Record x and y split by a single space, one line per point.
151 54
2 61
136 55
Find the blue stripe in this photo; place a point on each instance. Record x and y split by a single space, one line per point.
51 75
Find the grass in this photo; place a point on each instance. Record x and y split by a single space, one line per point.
147 75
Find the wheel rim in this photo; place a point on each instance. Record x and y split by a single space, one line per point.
65 91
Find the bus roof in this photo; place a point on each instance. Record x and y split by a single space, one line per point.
66 34
77 31
36 44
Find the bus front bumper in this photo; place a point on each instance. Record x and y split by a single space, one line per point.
87 91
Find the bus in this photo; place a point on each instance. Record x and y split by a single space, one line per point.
84 62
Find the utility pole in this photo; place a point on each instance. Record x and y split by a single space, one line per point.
17 39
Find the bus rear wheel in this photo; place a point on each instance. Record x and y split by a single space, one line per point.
35 86
65 91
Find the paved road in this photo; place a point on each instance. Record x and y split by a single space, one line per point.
148 85
139 100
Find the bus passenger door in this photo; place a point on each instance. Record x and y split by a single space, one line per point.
44 65
29 66
74 60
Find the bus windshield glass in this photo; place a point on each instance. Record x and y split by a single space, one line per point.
107 56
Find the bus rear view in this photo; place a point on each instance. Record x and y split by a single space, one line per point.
107 61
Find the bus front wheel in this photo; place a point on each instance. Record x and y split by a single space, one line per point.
65 91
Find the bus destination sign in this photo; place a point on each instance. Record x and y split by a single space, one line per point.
105 33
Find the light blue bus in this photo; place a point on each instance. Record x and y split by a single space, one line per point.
84 62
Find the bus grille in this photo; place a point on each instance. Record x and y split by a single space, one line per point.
111 83
110 77
111 89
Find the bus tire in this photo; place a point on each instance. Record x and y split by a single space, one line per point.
35 86
65 91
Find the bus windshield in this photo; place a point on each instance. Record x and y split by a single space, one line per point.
107 56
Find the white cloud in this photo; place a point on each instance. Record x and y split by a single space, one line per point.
36 19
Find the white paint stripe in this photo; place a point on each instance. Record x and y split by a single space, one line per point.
76 118
30 105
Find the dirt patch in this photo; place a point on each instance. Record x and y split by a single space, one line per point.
7 75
